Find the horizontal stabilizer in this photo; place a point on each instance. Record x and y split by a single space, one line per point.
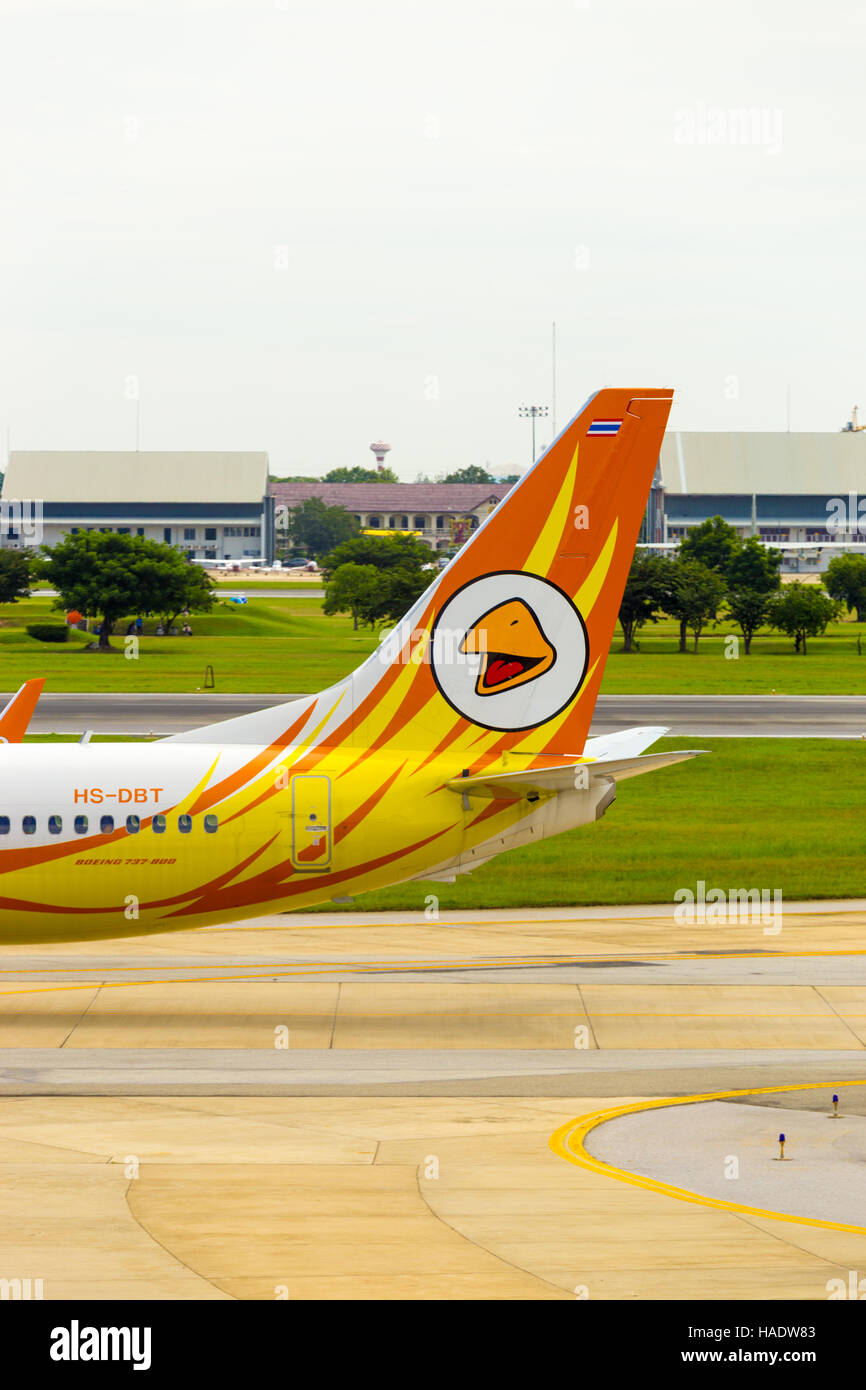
624 744
566 777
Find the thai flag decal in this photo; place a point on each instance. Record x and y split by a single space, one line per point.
604 427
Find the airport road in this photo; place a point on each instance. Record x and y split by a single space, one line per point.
692 716
158 1141
270 593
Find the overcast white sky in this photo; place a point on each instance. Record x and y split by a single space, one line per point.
302 227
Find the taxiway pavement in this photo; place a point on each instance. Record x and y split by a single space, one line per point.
698 716
364 1106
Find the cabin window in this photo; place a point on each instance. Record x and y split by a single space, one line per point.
106 824
28 825
4 825
210 823
55 825
81 825
184 824
159 823
133 825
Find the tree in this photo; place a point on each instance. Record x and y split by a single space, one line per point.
353 589
15 566
373 595
694 594
318 528
749 610
643 596
406 584
385 552
357 474
801 611
753 575
714 543
846 579
402 568
754 566
115 576
184 587
474 473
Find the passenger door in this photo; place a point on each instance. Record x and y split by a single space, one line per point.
311 822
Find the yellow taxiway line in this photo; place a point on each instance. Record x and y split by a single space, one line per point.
568 1142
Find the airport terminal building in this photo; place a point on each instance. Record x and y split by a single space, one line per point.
211 506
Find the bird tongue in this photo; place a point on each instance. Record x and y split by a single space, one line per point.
501 670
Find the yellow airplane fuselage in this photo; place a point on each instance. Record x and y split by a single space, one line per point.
200 849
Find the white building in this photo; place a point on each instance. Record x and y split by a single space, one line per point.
212 506
794 489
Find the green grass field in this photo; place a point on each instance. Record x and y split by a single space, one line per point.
265 645
831 666
753 813
97 738
272 644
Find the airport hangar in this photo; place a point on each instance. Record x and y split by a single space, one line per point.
783 488
211 506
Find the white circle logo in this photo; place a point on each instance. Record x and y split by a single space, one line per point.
509 651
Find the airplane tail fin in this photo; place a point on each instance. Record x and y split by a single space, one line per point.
17 712
505 651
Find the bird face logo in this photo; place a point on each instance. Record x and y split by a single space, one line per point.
509 650
512 647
